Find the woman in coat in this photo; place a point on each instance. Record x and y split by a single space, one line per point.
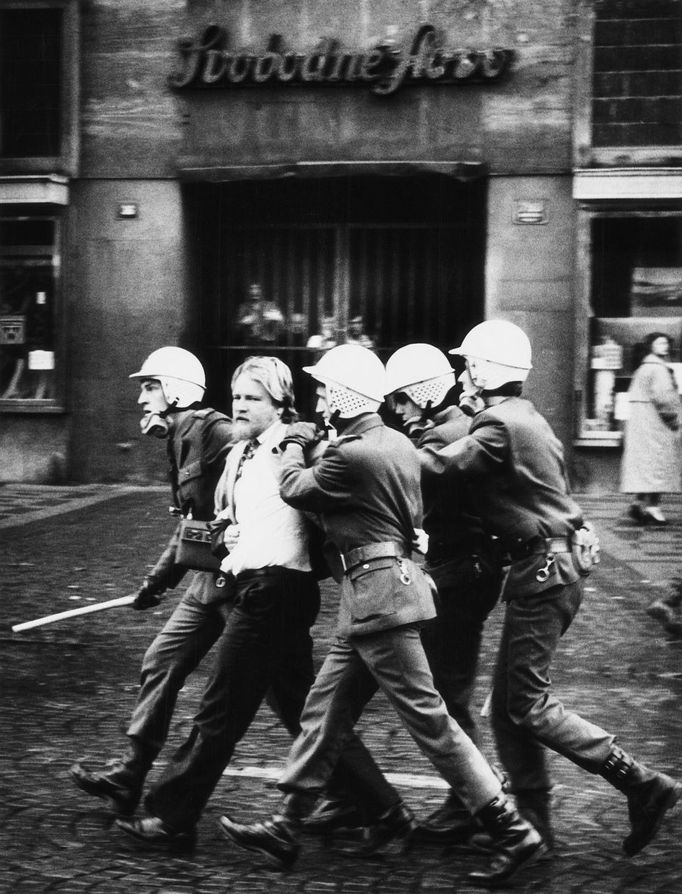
652 462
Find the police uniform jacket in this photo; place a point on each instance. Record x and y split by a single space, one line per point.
366 491
515 464
450 519
197 447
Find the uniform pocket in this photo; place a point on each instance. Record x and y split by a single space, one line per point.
371 589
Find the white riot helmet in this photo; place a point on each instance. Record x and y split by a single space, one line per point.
422 371
498 351
354 378
180 373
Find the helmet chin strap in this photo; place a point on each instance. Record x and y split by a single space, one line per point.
425 414
331 426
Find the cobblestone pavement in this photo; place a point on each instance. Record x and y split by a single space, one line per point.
68 688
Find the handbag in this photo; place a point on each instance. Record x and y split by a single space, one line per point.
194 546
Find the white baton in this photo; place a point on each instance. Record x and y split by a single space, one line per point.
74 612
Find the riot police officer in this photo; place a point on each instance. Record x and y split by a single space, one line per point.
461 557
172 384
516 463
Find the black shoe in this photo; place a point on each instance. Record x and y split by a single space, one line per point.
118 784
332 814
636 513
448 824
652 515
154 832
272 838
661 612
393 830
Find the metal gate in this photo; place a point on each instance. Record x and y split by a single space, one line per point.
407 281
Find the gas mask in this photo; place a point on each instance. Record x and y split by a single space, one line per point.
155 425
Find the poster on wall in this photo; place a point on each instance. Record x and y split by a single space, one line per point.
656 291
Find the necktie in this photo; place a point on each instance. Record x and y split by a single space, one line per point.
249 451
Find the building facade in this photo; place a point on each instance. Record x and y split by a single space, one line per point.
257 177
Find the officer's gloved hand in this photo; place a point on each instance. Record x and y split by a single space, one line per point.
301 433
147 596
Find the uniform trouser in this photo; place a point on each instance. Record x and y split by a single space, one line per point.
174 654
526 715
264 651
394 661
468 589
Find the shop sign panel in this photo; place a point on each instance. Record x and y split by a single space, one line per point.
207 62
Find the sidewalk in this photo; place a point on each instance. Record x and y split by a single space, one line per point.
67 691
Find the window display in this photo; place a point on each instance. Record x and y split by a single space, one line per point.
28 295
635 289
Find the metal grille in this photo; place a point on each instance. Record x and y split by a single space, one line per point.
407 282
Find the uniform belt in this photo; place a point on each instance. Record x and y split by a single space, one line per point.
540 546
267 571
372 551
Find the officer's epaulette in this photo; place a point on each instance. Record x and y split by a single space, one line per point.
345 438
205 412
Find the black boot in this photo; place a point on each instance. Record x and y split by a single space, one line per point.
275 838
332 814
152 831
120 783
515 843
450 823
649 795
534 805
393 829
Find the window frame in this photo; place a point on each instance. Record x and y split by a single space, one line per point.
587 213
54 404
68 159
584 153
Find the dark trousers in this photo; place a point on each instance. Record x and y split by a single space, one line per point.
265 651
174 654
353 670
526 715
468 589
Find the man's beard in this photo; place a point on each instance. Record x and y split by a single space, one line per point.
243 430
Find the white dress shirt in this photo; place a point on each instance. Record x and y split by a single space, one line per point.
270 532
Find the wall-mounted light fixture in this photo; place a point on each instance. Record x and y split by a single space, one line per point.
530 211
127 211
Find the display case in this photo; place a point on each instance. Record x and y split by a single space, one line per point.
632 278
29 312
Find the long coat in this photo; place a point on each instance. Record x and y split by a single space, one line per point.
652 461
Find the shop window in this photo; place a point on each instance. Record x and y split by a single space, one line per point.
29 318
635 288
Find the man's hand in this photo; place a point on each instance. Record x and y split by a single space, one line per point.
420 541
301 433
231 537
147 597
